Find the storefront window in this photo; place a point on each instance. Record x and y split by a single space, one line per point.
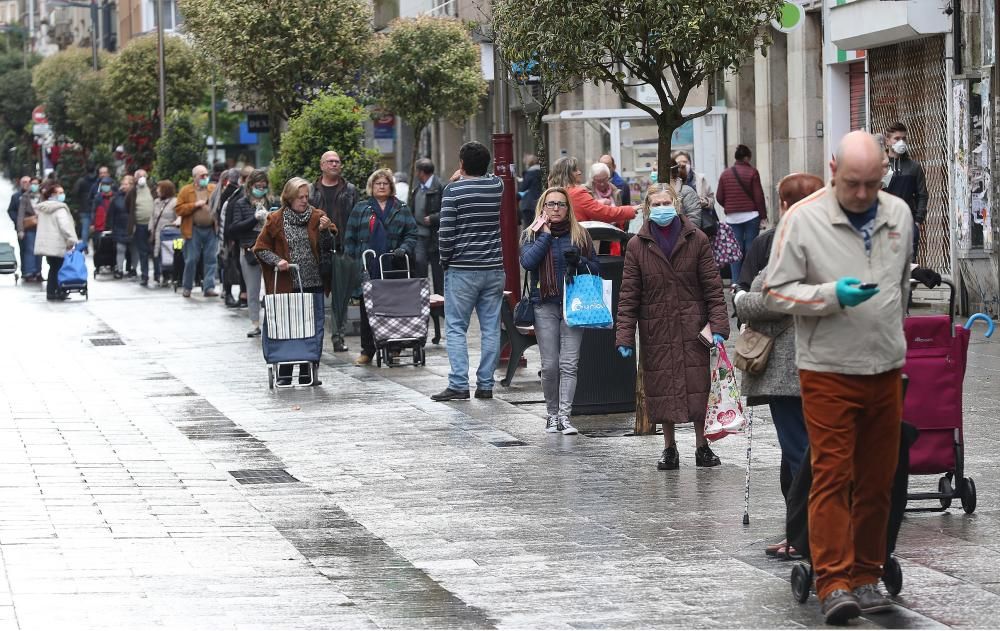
639 144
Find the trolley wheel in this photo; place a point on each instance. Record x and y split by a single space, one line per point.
423 356
944 487
802 578
892 576
270 377
968 496
417 352
378 358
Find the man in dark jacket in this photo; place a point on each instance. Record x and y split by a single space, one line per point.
121 222
335 196
529 190
15 203
426 205
905 179
617 179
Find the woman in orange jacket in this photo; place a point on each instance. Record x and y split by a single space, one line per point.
565 173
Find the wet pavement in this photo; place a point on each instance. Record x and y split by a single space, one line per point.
149 478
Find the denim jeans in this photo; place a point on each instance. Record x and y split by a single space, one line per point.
746 232
85 220
559 346
465 290
140 251
790 425
204 244
30 264
253 278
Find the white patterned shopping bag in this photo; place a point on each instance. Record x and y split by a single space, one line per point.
724 415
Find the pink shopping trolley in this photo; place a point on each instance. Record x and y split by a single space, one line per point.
936 352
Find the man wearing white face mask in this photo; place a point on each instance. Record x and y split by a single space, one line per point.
906 179
142 201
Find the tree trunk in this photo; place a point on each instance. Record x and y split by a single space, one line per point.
275 123
665 128
541 148
643 426
414 155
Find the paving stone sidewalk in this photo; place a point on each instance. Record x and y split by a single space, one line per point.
151 480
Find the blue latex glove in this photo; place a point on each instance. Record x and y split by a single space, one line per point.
624 351
718 339
850 295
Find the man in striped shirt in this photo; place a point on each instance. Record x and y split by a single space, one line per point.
469 244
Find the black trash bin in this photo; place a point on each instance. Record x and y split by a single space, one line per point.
605 380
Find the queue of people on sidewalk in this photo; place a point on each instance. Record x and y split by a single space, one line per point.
829 286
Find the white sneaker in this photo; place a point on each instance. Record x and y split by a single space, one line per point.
566 427
552 425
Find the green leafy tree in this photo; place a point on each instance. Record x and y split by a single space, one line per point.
132 82
426 69
55 78
179 150
276 55
332 122
72 166
91 116
66 65
674 47
17 99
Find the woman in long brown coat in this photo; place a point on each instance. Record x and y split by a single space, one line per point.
671 289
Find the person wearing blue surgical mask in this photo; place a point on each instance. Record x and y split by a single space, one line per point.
670 290
55 236
250 210
26 221
199 229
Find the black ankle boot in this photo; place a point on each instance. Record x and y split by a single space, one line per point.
670 460
705 457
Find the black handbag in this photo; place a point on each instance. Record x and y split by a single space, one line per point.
709 221
524 311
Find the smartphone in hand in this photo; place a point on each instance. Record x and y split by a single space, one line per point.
540 221
868 286
706 336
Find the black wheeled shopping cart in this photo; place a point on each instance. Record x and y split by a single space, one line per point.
292 335
398 310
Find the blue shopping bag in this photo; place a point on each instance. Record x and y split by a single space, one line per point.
586 302
74 267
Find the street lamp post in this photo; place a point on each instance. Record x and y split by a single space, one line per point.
161 66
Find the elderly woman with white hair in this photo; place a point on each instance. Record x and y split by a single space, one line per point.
601 188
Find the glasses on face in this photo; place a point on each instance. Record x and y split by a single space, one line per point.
554 205
381 183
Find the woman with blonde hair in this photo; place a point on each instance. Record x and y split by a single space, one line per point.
382 223
670 290
556 250
296 233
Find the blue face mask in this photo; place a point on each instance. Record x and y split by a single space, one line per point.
61 197
34 188
662 215
259 192
105 188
